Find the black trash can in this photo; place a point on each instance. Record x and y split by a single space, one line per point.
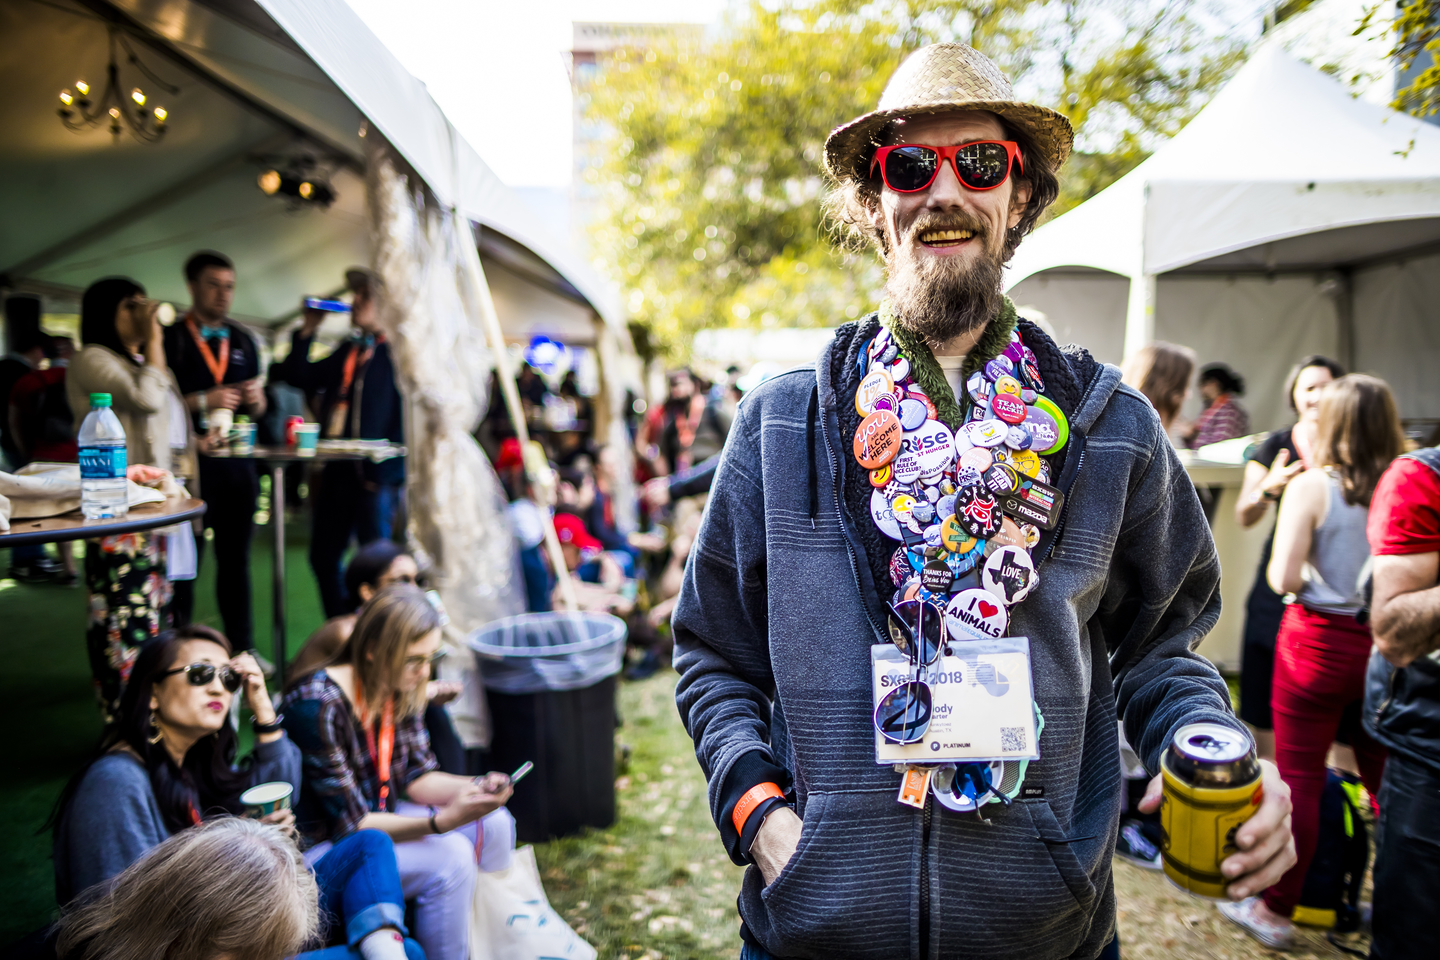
550 679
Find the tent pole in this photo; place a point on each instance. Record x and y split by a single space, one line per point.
511 394
1140 313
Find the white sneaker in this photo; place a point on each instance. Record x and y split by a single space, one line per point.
1245 914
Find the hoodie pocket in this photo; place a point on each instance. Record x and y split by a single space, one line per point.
1062 851
1010 889
849 887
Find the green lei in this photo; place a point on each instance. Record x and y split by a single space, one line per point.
926 370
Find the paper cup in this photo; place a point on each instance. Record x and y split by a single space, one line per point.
307 435
242 439
264 799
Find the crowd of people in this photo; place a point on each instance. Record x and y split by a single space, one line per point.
968 428
1350 493
388 805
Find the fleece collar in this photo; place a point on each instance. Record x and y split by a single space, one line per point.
926 369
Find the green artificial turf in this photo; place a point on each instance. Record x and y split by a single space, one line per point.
47 706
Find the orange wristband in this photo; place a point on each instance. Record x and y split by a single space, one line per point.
753 797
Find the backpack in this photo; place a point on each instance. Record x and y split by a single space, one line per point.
1331 896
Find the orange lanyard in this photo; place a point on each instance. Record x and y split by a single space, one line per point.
348 374
217 367
379 755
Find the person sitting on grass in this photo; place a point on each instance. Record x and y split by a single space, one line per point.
374 567
170 764
358 721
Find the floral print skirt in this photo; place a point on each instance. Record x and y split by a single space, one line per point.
128 597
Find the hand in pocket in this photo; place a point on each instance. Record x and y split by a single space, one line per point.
775 842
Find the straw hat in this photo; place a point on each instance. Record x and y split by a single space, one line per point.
937 79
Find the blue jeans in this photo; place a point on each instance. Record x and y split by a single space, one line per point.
360 884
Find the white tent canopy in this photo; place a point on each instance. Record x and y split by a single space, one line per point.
260 82
1286 218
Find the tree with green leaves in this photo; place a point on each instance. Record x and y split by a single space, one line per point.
710 171
1416 29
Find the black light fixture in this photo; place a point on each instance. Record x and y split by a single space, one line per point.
299 179
146 122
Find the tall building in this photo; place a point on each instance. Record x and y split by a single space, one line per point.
590 43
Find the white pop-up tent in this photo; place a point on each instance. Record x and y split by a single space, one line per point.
1286 218
254 85
260 83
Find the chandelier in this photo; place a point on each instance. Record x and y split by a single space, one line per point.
146 123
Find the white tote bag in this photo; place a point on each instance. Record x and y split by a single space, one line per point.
512 920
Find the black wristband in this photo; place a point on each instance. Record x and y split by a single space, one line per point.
273 726
756 820
434 827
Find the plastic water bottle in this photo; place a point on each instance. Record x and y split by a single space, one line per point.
102 462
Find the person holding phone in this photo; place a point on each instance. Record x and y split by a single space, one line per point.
359 722
171 766
217 364
125 576
357 399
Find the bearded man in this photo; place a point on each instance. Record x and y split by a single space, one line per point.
934 570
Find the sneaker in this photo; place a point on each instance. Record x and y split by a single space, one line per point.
646 668
1133 846
31 572
1246 915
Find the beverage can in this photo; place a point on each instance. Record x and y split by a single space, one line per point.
290 424
1211 787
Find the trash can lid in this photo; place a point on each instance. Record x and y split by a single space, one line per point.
552 634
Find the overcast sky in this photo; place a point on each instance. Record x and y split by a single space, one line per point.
496 68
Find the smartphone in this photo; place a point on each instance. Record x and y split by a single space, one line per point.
515 777
329 306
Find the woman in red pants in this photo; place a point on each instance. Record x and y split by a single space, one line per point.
1321 651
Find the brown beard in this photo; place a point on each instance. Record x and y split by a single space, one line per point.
941 298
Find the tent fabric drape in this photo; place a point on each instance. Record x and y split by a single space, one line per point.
457 506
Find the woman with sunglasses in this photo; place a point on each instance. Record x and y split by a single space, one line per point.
124 355
170 764
359 721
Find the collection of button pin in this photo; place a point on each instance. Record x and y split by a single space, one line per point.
967 505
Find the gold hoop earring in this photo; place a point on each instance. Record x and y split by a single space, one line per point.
158 735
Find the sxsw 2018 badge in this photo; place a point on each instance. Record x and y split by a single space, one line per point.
976 615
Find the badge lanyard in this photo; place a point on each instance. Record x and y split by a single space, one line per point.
347 377
379 755
967 507
217 367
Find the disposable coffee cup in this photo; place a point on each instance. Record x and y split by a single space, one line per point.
242 439
264 799
220 423
307 436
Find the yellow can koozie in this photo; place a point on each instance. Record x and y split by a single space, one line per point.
1198 815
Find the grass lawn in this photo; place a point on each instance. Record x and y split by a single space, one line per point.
658 883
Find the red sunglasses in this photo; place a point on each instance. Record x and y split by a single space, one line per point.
980 164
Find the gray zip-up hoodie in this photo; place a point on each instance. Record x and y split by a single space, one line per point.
773 631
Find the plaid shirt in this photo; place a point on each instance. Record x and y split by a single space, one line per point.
1220 421
341 783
